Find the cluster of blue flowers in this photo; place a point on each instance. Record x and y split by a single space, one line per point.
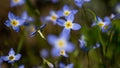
61 45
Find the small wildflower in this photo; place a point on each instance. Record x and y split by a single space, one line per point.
53 16
48 63
96 46
11 58
104 25
60 45
67 11
55 1
16 2
80 3
14 21
68 24
61 65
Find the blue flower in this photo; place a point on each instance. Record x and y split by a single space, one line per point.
68 24
83 44
14 21
55 1
61 46
67 11
96 46
21 66
79 3
44 53
104 25
11 58
16 2
61 65
1 60
53 16
26 18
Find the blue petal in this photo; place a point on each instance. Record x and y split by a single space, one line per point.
82 43
5 58
11 16
51 39
79 3
61 65
60 13
21 66
70 17
65 33
99 19
24 15
70 66
94 24
11 61
76 26
16 29
55 52
107 20
17 57
74 11
70 47
87 0
7 23
65 7
11 52
54 1
61 22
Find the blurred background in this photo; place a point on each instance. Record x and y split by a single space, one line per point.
31 46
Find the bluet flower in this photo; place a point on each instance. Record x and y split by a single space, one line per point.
55 1
104 25
61 65
96 46
67 11
21 66
80 3
68 24
16 2
11 58
14 21
53 16
60 45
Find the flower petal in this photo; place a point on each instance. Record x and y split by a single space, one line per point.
70 47
61 65
11 16
5 58
17 57
51 39
55 52
7 23
65 7
70 17
76 26
60 22
16 29
65 33
11 52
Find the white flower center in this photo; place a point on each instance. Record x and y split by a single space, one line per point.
66 13
61 43
14 22
11 57
101 24
16 1
53 17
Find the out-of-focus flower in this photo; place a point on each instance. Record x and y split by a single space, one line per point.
68 24
26 18
48 63
14 21
44 53
96 46
55 1
104 25
53 16
1 62
16 2
60 45
21 66
67 11
79 3
61 65
11 58
83 44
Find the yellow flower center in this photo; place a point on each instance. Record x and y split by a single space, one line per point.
61 43
16 1
14 22
11 57
106 27
66 13
62 52
68 24
53 17
101 24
